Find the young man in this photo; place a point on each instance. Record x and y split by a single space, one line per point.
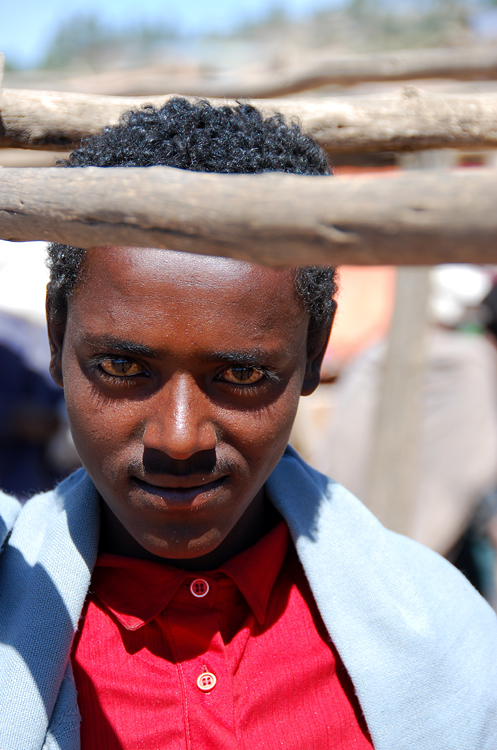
197 585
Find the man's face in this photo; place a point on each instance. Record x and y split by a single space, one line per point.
182 376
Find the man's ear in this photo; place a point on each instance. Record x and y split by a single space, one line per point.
56 333
315 355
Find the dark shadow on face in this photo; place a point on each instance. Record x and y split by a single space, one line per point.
204 462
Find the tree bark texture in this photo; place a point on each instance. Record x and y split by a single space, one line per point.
408 121
413 218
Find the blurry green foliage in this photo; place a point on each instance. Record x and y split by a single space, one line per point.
10 66
87 40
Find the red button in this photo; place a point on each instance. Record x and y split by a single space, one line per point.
206 681
199 588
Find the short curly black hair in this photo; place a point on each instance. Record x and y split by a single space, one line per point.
199 137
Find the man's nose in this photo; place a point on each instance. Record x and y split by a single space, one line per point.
180 423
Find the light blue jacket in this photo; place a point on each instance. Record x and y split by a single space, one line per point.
418 642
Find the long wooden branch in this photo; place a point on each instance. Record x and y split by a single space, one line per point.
411 120
466 64
405 65
414 218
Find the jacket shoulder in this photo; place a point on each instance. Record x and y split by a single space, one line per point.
417 640
9 510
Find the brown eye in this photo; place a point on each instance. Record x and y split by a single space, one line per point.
243 375
120 367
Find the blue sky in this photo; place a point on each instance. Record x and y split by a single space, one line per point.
27 26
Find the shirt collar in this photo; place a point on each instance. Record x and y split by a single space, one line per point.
136 591
256 569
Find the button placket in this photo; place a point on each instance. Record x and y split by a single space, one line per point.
205 673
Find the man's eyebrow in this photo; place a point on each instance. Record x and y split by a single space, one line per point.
241 357
123 346
253 357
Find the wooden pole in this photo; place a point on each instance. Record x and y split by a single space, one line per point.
470 64
412 218
394 460
410 120
464 64
395 455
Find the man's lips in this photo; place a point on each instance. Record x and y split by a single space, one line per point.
182 489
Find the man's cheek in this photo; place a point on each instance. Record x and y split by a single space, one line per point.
97 432
260 433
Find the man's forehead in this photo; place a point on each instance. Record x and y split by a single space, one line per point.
184 268
167 301
130 283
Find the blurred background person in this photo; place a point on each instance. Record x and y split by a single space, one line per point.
457 465
36 449
30 414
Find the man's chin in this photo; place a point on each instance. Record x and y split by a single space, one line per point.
184 549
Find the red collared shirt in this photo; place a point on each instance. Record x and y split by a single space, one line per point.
234 658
